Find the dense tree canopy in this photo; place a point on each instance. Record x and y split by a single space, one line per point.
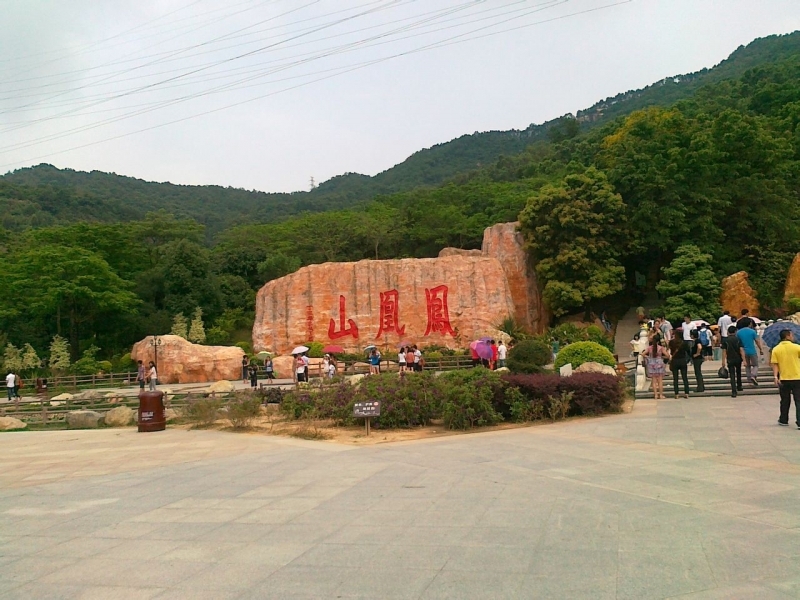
711 160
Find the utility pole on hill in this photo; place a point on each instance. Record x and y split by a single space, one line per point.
313 183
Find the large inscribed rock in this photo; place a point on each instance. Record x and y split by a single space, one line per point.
792 289
737 294
180 361
505 243
447 301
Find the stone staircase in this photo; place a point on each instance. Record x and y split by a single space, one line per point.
715 385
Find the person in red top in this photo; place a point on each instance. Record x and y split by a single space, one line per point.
476 360
493 366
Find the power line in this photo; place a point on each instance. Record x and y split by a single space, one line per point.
457 39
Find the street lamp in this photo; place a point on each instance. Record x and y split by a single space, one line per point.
155 343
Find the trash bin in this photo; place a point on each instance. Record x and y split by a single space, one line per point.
151 411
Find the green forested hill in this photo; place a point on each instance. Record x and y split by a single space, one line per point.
715 174
44 195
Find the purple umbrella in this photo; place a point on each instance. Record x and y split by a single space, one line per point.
483 350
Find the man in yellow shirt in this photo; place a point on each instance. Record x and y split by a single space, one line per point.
786 368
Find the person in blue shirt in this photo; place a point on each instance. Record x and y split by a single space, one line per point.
748 336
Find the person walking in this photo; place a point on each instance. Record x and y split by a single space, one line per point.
140 375
745 320
152 377
786 370
666 330
269 369
245 368
11 379
724 323
733 357
654 356
374 362
409 358
687 332
697 360
502 353
705 339
752 348
678 364
253 373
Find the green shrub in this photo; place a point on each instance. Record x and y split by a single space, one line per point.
246 346
472 398
126 363
104 366
243 409
408 401
793 305
521 408
569 333
435 355
298 403
315 349
582 352
203 412
529 356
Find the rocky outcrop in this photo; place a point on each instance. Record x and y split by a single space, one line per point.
444 252
11 424
737 294
505 243
596 367
447 301
83 419
792 289
221 387
120 416
180 361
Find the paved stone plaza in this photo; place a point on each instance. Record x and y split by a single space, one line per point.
696 499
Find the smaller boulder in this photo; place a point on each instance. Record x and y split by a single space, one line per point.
355 379
62 397
595 367
87 395
56 403
11 424
83 419
221 387
121 416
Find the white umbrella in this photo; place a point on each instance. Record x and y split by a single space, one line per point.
299 350
756 320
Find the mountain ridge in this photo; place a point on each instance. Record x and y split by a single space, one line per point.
123 197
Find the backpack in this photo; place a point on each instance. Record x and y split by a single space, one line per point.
704 337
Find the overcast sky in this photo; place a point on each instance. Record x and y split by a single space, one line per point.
264 94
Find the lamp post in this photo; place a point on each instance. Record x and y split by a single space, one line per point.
155 343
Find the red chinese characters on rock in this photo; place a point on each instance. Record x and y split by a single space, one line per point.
438 314
344 331
390 314
310 323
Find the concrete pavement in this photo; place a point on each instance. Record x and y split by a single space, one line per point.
685 499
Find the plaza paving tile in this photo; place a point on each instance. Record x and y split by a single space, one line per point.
694 499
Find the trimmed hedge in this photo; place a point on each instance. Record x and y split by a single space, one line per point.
529 356
583 352
592 393
463 399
